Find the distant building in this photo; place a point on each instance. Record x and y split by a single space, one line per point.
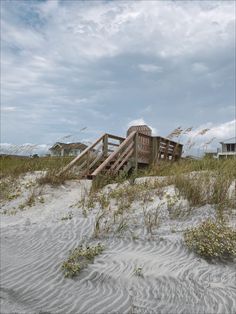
64 149
228 149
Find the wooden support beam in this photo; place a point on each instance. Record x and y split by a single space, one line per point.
120 158
105 145
166 149
113 155
80 156
136 143
126 158
113 144
154 150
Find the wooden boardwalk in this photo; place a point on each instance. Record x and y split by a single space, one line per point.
111 154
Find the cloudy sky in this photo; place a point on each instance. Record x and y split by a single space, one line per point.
74 69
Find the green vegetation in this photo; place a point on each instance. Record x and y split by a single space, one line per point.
79 258
183 166
212 240
69 216
138 271
52 178
168 168
13 167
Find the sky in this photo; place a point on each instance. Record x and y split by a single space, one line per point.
72 70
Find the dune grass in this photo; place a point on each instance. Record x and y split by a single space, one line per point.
13 167
182 166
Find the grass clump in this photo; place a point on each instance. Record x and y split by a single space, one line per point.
69 216
79 258
52 178
166 168
212 240
138 271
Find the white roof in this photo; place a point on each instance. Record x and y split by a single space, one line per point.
231 140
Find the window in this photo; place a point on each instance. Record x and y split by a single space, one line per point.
230 147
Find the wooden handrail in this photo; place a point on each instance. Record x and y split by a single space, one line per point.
84 152
113 155
115 137
124 160
127 150
140 147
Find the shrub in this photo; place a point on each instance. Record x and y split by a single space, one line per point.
79 258
212 240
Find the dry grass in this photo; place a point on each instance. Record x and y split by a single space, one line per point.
183 166
13 167
51 177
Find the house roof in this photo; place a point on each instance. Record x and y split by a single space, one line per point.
231 140
59 145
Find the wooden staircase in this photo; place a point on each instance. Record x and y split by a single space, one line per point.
111 154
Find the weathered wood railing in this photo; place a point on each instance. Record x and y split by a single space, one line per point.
110 153
94 154
118 158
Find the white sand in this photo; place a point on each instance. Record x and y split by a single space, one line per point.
35 242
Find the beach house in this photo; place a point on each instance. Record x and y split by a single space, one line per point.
67 149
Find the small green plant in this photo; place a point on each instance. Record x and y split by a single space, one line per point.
103 201
84 213
31 199
21 206
138 271
79 258
97 227
41 199
69 216
122 226
212 240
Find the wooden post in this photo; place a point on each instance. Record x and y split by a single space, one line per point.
105 145
154 150
136 142
158 149
87 163
166 155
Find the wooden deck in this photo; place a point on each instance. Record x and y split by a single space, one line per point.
111 154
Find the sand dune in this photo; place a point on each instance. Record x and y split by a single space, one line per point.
35 242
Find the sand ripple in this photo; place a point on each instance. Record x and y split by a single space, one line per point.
172 279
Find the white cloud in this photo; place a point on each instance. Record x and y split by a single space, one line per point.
8 109
211 139
66 63
151 68
220 132
107 29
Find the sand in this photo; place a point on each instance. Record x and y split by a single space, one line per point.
35 242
